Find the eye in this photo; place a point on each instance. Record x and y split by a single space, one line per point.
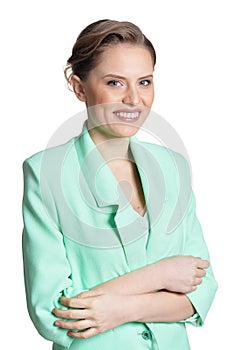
114 83
145 82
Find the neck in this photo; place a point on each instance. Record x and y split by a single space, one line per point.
109 146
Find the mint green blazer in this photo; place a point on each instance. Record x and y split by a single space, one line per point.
80 231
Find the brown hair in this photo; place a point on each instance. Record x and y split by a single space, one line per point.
95 38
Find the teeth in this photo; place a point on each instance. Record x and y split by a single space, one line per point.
128 115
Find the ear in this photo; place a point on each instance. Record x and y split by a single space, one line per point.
78 87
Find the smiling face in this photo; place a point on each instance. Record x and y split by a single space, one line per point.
119 91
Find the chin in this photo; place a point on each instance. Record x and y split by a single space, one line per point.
124 130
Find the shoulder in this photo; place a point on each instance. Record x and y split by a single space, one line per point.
173 166
49 156
165 155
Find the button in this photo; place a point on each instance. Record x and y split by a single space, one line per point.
146 335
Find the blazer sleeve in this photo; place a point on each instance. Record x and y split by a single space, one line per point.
195 245
46 268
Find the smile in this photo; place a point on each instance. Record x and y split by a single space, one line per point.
127 116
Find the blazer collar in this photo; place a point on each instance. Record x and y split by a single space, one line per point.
103 184
94 169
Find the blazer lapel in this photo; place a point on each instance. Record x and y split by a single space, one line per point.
101 181
104 186
152 179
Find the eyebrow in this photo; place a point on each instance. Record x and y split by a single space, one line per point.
110 75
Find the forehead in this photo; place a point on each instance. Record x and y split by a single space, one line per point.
125 57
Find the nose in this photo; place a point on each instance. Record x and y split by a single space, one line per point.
132 96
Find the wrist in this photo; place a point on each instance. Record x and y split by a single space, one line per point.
134 307
159 272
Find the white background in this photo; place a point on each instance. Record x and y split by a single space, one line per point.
193 81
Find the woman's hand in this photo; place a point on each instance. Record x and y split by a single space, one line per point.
181 274
110 305
93 313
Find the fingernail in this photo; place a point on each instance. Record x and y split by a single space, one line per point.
57 323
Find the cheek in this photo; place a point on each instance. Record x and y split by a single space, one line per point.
99 97
111 96
94 98
149 98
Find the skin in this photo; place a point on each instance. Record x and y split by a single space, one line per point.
115 85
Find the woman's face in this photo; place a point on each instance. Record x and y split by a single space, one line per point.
119 91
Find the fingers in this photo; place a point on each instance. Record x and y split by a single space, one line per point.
86 334
78 325
76 302
198 278
198 281
72 314
200 273
89 293
202 264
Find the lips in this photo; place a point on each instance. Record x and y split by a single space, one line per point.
126 115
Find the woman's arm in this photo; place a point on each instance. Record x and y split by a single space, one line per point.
177 274
98 313
125 299
163 306
42 246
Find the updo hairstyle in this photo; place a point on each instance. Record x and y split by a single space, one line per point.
98 36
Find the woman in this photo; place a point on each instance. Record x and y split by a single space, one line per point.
101 269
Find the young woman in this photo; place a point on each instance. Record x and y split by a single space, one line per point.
101 269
